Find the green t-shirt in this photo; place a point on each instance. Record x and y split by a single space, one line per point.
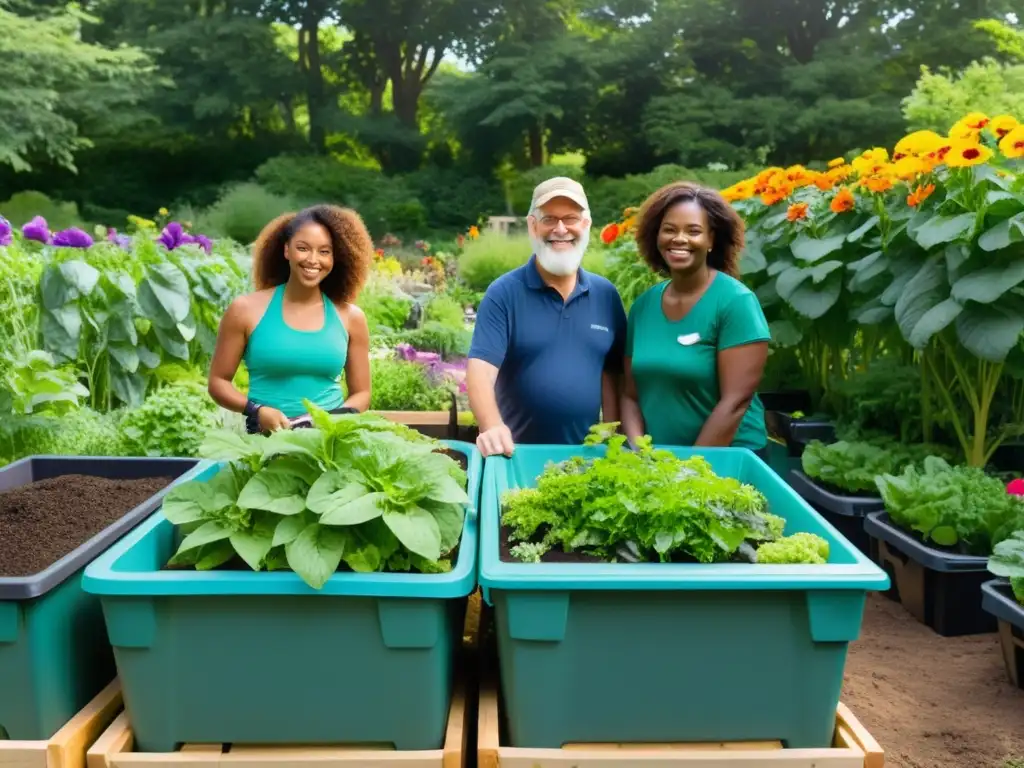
675 364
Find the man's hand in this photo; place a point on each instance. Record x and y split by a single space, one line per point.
496 440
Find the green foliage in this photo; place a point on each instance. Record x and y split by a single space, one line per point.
800 548
640 506
444 340
1007 560
884 397
399 385
941 98
82 432
172 421
242 211
55 82
490 256
34 382
24 206
446 310
952 506
357 489
384 311
852 466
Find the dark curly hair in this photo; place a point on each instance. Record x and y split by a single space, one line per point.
726 226
352 246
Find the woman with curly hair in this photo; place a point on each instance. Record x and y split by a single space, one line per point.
300 329
697 343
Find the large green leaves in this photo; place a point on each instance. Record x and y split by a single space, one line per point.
940 230
811 291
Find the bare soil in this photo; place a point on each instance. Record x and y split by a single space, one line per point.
932 701
43 521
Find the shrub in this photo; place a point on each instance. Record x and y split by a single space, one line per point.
23 206
172 421
404 386
445 310
242 211
442 339
490 256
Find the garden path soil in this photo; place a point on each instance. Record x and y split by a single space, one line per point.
43 521
931 701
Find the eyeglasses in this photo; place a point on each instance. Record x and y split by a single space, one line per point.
571 220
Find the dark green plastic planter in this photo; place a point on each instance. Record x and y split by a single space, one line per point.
54 652
263 658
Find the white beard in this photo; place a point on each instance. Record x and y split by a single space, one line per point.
561 263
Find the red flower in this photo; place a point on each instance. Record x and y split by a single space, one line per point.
1016 487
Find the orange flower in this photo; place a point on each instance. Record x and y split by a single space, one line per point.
474 232
963 154
843 201
797 211
629 225
878 184
919 195
823 182
1012 144
610 233
773 196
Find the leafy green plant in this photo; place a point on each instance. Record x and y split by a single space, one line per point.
952 506
1007 560
642 505
355 488
35 382
399 385
446 311
442 339
490 256
852 466
80 432
172 421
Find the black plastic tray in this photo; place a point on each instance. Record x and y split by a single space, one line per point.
797 433
786 401
942 590
845 513
997 599
34 468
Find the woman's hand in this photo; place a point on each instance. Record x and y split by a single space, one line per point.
271 419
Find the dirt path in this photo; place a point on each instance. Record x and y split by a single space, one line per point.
930 701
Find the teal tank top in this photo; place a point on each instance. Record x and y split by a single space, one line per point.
287 366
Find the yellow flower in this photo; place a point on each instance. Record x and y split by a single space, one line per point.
163 212
918 143
910 167
871 162
835 163
1012 144
1002 125
742 190
966 153
969 126
474 232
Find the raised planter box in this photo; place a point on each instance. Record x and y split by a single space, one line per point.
116 749
443 425
852 747
235 656
998 600
942 590
67 747
846 513
683 641
54 653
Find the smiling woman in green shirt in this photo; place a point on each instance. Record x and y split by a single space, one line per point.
697 343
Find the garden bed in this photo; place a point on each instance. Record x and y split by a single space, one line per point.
56 515
938 587
843 510
187 643
67 747
723 624
998 600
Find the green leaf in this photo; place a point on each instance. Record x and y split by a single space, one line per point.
934 321
81 277
417 530
164 295
188 503
363 558
229 446
944 229
254 545
872 313
360 510
447 490
307 442
126 357
989 283
989 331
275 489
450 520
333 490
811 249
289 528
957 255
752 260
923 291
316 553
300 465
207 533
944 535
807 299
1003 235
863 229
784 333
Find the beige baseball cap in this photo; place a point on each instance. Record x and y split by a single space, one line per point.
559 186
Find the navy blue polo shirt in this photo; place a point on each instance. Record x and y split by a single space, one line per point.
550 354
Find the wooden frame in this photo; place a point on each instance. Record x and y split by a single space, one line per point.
114 750
854 748
67 747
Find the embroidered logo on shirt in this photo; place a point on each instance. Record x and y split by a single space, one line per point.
595 327
689 339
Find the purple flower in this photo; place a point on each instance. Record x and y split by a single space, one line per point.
72 238
5 232
175 236
124 241
37 229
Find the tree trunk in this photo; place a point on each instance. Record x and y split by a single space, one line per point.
536 139
314 77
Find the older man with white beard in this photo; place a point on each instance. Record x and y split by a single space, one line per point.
547 352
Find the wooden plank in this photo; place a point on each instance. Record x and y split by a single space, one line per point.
116 739
67 747
488 739
689 747
874 755
418 418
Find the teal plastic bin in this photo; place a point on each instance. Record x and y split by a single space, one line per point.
263 658
652 652
54 653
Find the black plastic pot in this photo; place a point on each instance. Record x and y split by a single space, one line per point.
797 433
997 599
845 513
1009 457
786 401
942 590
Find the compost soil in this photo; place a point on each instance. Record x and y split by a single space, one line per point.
43 521
931 701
